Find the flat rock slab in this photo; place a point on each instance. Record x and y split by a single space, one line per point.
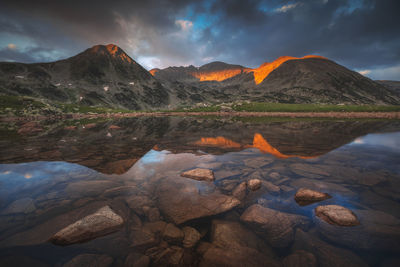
305 196
199 174
102 222
337 215
277 227
377 231
181 200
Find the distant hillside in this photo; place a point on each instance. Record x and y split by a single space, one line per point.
101 75
105 76
311 79
393 85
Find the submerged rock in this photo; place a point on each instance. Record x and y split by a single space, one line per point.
192 236
199 174
181 200
102 222
337 215
94 260
305 196
300 258
235 245
254 184
173 234
377 231
240 191
135 259
327 255
23 205
277 227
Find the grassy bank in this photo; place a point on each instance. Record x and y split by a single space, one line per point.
278 107
27 106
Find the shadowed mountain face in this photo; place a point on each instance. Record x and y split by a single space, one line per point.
101 75
115 149
107 76
311 79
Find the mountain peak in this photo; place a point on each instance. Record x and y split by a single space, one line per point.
112 50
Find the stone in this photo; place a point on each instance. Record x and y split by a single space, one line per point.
104 221
222 174
173 234
309 170
322 186
139 203
254 184
327 255
275 175
257 162
94 260
240 191
72 127
378 231
114 127
337 215
88 188
180 200
192 236
199 174
300 258
277 227
272 189
153 215
305 196
236 257
23 205
135 259
142 238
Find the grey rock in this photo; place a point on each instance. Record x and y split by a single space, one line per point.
180 200
102 222
337 215
277 227
240 191
305 196
199 174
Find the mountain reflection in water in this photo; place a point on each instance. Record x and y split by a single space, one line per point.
51 178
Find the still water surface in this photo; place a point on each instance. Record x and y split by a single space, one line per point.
54 176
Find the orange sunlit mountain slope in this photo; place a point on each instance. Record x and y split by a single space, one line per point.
259 73
258 142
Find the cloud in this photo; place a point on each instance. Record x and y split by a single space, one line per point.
364 72
185 25
12 46
360 34
285 8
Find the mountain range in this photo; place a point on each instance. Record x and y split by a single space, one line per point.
105 75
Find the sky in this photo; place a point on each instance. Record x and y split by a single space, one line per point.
363 35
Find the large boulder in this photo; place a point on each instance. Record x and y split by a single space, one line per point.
235 245
337 215
102 222
181 200
277 227
377 231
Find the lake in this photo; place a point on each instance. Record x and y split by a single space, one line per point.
54 173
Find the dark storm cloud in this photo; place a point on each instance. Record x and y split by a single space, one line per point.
361 34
